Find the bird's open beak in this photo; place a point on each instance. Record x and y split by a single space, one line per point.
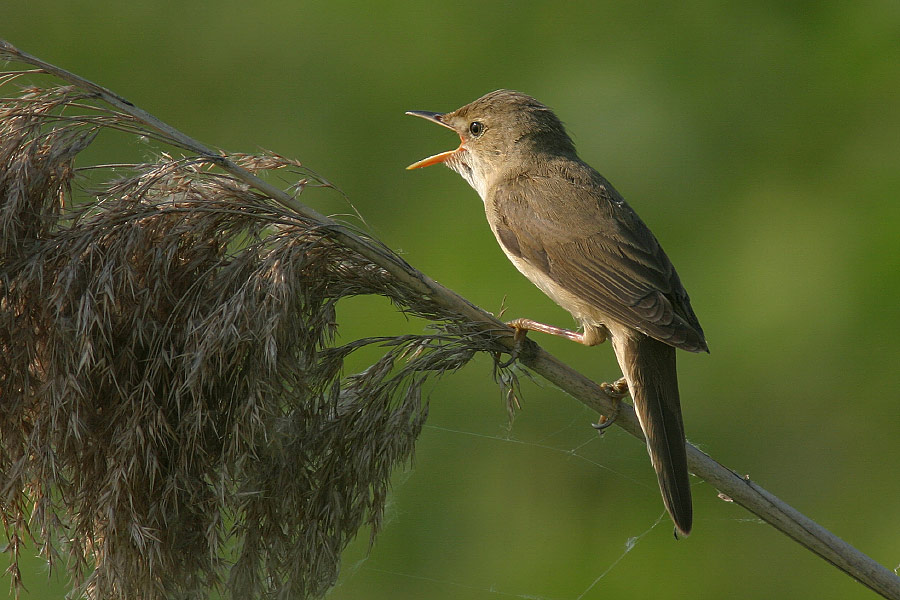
437 158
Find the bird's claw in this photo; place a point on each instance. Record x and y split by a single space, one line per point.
513 356
518 338
616 391
605 421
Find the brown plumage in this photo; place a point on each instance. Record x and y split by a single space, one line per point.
573 235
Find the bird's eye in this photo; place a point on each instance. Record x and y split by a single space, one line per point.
476 128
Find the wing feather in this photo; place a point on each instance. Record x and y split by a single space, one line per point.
596 247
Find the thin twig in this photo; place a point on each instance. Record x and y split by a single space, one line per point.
737 488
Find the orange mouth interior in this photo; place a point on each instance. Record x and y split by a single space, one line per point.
433 160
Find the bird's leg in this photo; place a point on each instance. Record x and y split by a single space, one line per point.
616 391
523 326
593 335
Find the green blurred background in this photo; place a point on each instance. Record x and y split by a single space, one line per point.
759 140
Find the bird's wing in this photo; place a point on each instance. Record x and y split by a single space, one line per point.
596 247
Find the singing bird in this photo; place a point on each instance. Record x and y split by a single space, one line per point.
572 234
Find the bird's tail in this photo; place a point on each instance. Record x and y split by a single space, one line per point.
649 368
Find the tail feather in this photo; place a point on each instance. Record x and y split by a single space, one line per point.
649 368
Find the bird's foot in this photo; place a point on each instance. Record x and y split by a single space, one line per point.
616 391
518 338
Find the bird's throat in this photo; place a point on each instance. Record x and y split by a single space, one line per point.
468 167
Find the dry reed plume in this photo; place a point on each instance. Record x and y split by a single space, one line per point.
174 420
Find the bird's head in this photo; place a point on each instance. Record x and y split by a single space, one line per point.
500 132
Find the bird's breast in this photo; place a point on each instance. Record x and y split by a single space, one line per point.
539 273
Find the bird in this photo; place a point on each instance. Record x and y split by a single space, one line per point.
568 230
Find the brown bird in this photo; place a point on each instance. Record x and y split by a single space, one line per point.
572 234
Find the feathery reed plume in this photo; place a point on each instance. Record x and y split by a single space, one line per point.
173 416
